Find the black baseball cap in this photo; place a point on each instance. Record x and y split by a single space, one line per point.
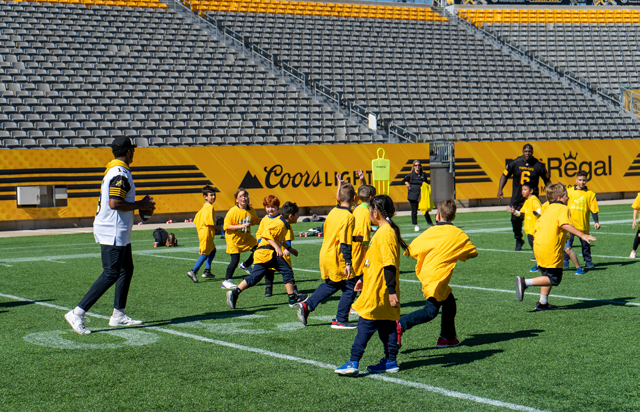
123 142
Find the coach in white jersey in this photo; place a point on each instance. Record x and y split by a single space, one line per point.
112 229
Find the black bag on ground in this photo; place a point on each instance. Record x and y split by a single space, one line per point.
164 238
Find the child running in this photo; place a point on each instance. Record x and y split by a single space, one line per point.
548 243
237 227
636 240
336 265
581 202
437 251
270 254
205 224
379 302
531 209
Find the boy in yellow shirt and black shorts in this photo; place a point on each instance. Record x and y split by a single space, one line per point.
581 202
336 265
636 240
379 302
271 250
548 246
531 209
205 224
437 251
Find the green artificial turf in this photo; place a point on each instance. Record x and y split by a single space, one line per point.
196 354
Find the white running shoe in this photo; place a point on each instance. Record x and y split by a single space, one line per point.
77 323
124 321
245 268
632 255
417 228
227 284
192 275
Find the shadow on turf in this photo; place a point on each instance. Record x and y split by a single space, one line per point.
210 316
20 303
488 338
589 304
448 360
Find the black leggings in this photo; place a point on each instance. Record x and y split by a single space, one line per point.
636 241
414 214
233 265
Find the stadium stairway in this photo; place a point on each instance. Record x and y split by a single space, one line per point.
428 75
599 45
80 73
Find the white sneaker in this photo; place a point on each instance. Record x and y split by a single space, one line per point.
227 284
417 228
208 275
632 255
192 275
245 268
77 323
124 321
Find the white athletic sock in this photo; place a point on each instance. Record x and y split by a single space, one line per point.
528 282
117 313
544 299
78 311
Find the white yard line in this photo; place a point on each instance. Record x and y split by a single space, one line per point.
263 352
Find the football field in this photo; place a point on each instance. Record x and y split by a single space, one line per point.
195 354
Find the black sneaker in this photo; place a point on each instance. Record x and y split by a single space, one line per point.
232 298
520 287
519 244
343 325
297 298
268 291
546 306
303 312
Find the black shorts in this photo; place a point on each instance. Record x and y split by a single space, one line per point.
554 275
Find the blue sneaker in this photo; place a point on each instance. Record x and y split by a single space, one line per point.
579 271
384 366
566 265
536 268
589 265
348 369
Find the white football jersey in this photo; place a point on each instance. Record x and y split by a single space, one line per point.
113 227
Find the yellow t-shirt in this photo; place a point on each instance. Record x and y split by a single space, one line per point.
338 228
362 228
373 303
437 251
548 243
580 203
544 207
530 205
204 222
636 203
240 240
273 229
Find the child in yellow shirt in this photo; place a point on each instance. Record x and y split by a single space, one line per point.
636 240
237 227
581 202
205 224
379 302
437 251
531 209
271 250
336 263
548 244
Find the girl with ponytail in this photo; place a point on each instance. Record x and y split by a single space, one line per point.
379 302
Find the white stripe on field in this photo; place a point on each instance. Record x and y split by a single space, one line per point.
403 382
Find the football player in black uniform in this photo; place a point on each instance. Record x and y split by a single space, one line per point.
523 169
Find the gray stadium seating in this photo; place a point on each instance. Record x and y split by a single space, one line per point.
433 78
76 76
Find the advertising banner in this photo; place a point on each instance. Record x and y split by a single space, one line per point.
550 2
611 165
175 176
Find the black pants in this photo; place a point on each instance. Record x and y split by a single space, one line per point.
516 223
414 214
330 287
429 312
636 241
117 267
261 270
388 335
233 265
530 239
